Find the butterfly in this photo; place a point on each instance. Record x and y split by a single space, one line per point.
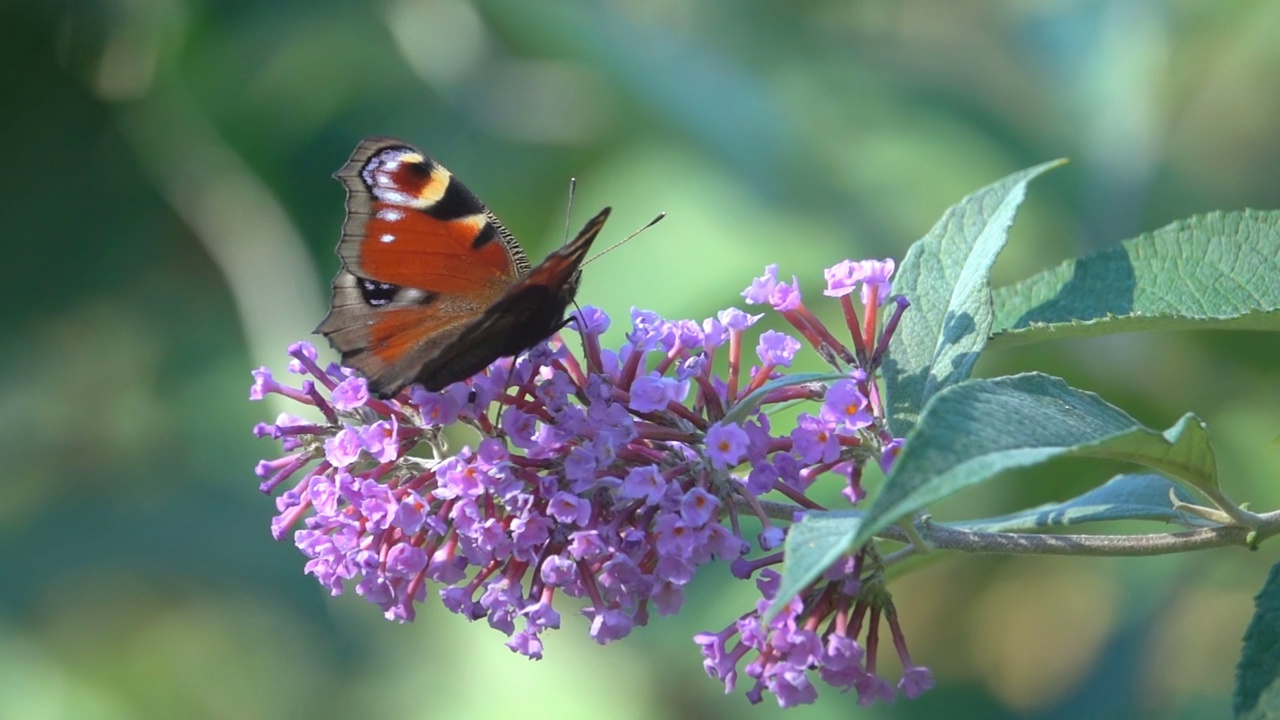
433 287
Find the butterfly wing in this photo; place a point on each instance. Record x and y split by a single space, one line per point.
422 259
528 312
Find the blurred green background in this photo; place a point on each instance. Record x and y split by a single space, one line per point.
170 219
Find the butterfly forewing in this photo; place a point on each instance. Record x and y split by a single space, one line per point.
410 223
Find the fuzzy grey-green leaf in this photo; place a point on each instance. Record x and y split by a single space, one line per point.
945 275
811 546
1214 271
1257 694
1138 496
978 429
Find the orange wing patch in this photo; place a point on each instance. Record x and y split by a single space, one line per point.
410 248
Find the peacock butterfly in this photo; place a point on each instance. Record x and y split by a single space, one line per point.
433 288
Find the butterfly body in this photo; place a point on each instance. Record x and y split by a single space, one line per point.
433 287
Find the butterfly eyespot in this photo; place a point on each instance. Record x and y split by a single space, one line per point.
377 294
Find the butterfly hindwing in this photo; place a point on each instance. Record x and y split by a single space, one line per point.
387 344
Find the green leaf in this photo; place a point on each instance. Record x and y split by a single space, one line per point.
945 275
1183 452
1142 496
1220 270
811 546
1258 675
975 430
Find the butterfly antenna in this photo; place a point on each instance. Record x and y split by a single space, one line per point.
568 212
624 240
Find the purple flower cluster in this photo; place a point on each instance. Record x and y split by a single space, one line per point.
609 477
792 644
